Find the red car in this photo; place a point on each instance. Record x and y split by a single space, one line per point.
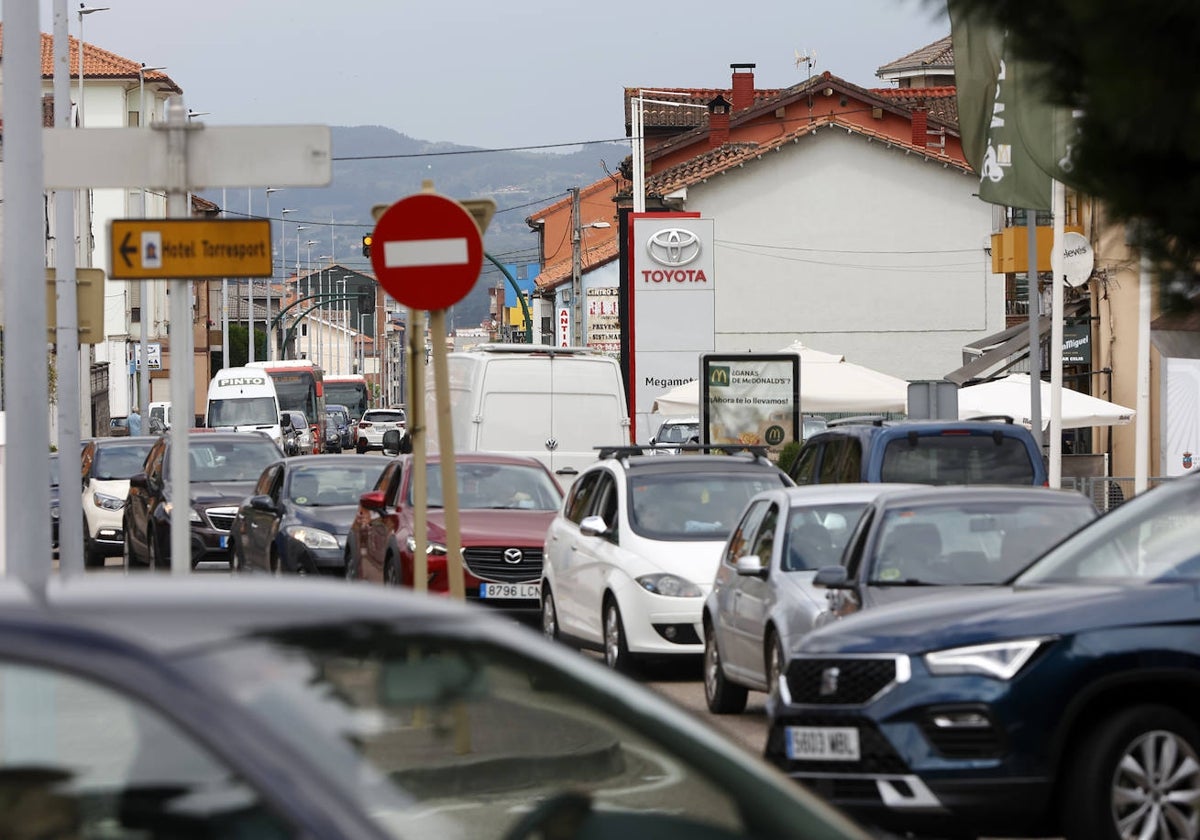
506 503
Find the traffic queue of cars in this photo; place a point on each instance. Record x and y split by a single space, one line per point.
964 659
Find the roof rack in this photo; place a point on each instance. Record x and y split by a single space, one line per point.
531 349
873 419
757 450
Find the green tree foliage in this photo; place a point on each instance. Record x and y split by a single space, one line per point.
239 345
1132 71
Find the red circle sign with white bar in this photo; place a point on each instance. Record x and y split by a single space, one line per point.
427 251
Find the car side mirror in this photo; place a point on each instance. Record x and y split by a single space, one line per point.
264 503
373 500
593 526
139 480
832 577
751 565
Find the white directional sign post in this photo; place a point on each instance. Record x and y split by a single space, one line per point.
181 157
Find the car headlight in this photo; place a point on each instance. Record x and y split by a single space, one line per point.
104 502
1001 660
670 585
312 537
192 515
433 548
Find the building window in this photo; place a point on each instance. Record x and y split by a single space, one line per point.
135 314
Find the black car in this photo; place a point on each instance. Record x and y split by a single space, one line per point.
1062 704
343 422
224 469
155 708
297 519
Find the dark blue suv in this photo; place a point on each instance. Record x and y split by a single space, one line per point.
1062 704
921 452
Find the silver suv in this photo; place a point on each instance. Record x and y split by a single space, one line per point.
376 421
675 431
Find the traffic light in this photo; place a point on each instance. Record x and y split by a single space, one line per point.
367 245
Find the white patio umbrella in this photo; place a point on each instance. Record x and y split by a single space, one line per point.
1010 396
827 383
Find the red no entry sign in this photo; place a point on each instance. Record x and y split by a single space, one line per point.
427 251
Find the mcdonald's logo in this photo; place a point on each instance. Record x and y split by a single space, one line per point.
718 376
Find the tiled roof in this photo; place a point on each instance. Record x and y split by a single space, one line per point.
669 116
592 256
941 102
939 55
584 192
733 155
97 63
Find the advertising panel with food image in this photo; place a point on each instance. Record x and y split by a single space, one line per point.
750 399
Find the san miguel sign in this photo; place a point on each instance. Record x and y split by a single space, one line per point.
672 305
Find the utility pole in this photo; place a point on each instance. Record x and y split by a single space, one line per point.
576 270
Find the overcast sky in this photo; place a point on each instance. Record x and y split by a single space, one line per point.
515 73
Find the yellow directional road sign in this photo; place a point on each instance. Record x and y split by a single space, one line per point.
149 249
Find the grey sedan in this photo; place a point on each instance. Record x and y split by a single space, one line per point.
764 598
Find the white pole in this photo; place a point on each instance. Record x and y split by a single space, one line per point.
225 302
1057 280
182 374
1142 441
250 280
638 117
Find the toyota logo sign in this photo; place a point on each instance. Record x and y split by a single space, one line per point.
513 555
673 247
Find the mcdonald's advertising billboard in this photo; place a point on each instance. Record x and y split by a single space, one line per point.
750 398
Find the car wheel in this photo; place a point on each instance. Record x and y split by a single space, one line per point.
350 560
273 563
127 549
391 571
775 664
549 615
1136 774
237 563
722 696
616 648
92 559
361 447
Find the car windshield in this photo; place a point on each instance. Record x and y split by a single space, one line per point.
384 417
693 505
116 462
456 738
228 460
247 411
1150 538
336 484
678 432
495 487
969 542
957 459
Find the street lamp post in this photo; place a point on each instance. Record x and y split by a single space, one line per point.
577 267
283 260
361 344
346 330
322 259
83 11
148 287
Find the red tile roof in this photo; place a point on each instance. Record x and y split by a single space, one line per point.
693 101
941 102
592 256
97 63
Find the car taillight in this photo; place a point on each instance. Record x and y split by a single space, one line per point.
363 424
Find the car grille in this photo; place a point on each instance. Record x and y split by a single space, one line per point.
876 753
221 518
845 791
839 681
489 564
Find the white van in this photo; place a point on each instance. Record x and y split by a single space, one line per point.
158 419
556 404
243 399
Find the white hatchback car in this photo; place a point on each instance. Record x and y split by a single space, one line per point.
631 556
373 424
107 464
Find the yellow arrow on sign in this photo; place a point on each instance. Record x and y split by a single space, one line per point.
151 249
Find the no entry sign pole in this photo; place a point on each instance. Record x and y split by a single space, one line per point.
427 251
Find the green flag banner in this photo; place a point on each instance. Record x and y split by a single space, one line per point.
1014 139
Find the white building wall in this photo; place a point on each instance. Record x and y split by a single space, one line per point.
853 248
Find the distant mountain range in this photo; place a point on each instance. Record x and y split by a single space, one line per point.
377 165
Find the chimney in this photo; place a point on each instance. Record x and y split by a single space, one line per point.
718 122
920 128
743 86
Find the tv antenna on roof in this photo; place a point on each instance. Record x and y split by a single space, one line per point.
808 58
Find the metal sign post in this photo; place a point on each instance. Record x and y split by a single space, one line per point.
182 157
